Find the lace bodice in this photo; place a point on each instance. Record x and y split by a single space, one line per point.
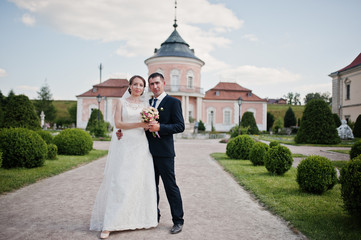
131 111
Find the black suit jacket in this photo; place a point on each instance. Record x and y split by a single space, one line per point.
171 122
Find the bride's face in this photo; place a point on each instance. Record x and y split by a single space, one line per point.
137 87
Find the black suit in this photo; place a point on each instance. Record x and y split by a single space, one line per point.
162 149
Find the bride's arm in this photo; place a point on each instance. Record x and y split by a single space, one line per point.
124 125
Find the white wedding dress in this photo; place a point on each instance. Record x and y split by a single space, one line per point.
127 196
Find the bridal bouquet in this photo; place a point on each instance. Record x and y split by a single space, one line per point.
150 114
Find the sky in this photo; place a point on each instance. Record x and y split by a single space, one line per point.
271 47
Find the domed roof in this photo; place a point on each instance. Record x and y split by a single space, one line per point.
174 46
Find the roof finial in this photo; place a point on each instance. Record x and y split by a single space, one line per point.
175 15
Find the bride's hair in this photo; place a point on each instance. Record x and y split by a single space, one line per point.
131 82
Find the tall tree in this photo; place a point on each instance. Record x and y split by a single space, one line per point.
290 119
45 103
270 120
289 96
296 99
317 95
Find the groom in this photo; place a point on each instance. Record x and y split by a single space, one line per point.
162 147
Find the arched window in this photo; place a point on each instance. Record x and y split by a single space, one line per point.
211 116
174 80
190 79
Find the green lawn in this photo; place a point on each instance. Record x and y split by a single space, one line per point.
316 216
12 179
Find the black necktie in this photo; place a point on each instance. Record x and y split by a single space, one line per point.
154 102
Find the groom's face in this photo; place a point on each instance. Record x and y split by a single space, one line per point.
156 85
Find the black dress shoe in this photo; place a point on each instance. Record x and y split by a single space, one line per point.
158 217
177 228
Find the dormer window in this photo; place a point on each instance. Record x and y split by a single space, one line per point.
94 89
250 94
217 93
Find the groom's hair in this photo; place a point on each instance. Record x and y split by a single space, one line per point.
154 75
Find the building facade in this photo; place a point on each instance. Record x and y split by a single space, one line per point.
346 88
218 107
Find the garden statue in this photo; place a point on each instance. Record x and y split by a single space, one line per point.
42 117
344 131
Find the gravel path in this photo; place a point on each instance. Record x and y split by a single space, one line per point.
216 207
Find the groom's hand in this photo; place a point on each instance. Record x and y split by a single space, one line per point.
154 126
119 134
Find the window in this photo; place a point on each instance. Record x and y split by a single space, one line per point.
190 78
174 80
217 93
348 91
227 117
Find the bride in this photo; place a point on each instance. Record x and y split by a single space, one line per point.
127 196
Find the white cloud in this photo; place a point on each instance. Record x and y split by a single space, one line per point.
29 91
28 20
139 25
3 73
250 37
260 76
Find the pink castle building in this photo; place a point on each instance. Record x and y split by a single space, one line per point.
218 107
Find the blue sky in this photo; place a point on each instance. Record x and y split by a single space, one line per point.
271 47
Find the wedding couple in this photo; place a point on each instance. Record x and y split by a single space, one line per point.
128 197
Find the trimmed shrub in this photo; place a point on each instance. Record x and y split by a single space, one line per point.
20 112
357 128
316 174
336 119
258 153
46 136
22 147
274 143
235 130
201 126
290 118
278 160
270 121
249 121
239 147
355 149
278 125
317 125
350 179
73 142
52 151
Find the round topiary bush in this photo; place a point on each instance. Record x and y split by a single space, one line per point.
278 160
355 149
46 136
273 144
317 125
73 142
350 179
52 151
258 153
336 119
22 148
239 147
316 174
357 128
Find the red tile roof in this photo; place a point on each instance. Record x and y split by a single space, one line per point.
231 91
110 88
355 63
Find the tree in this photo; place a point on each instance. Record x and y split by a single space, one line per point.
72 112
317 125
289 96
290 118
20 112
357 127
45 103
337 120
296 99
249 121
325 96
270 120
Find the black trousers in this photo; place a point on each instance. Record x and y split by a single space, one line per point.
164 167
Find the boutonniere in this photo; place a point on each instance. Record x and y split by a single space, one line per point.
162 109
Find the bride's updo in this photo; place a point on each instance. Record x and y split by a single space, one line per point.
131 82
